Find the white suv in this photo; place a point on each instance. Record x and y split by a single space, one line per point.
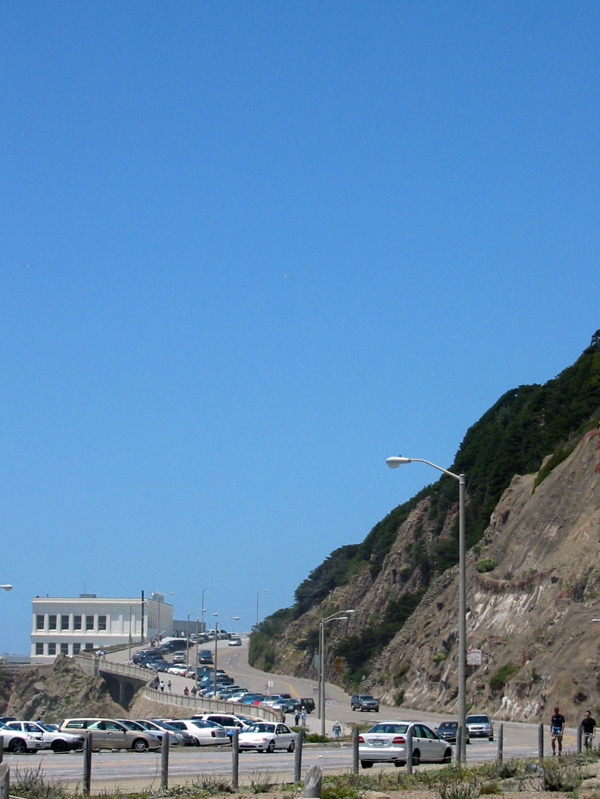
479 725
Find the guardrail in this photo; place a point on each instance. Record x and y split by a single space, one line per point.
93 666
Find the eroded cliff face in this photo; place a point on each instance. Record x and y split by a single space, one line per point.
532 616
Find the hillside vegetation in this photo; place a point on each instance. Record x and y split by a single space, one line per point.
525 426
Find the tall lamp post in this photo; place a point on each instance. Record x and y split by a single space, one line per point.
341 615
215 657
187 643
203 608
393 463
258 593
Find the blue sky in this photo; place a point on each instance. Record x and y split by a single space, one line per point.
268 245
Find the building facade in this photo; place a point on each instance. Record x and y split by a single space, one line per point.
71 625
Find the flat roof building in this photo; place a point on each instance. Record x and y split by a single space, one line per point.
70 625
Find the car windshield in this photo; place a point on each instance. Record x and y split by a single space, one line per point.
390 728
261 728
478 719
448 725
366 696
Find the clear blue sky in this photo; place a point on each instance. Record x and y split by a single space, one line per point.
268 245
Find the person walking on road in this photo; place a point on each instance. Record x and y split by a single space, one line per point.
303 715
588 728
336 729
557 728
162 685
186 691
297 718
169 687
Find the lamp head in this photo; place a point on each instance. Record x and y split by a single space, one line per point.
394 462
6 587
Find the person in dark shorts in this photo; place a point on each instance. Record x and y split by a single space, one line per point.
588 728
557 728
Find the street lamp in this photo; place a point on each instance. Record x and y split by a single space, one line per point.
341 615
159 598
187 643
203 609
215 658
264 591
393 463
6 587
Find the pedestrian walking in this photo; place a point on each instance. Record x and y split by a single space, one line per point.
588 728
303 715
162 685
186 691
169 687
297 717
557 728
194 692
336 729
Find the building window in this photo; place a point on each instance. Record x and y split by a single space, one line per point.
39 622
52 649
64 622
77 622
102 623
64 649
76 649
89 647
39 649
52 622
89 622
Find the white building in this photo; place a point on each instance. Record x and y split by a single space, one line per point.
70 625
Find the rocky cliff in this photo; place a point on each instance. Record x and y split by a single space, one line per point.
54 692
531 614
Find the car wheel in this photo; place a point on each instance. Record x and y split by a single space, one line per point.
447 756
59 746
18 746
271 746
399 763
416 758
366 764
292 746
139 745
492 738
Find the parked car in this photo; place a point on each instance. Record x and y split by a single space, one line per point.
364 702
386 743
137 727
447 731
111 734
57 741
20 742
264 736
179 657
205 732
306 701
479 725
229 722
252 699
176 737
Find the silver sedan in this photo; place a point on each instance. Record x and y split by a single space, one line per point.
386 742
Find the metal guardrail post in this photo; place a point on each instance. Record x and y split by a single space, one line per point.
235 760
579 738
87 764
298 756
1 748
500 743
409 751
458 748
164 762
4 781
355 750
541 742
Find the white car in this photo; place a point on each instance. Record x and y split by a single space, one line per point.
20 742
57 741
228 721
234 641
265 736
205 732
386 743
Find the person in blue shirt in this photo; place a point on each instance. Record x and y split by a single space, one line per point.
557 728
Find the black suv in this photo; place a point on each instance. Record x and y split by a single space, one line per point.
364 702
